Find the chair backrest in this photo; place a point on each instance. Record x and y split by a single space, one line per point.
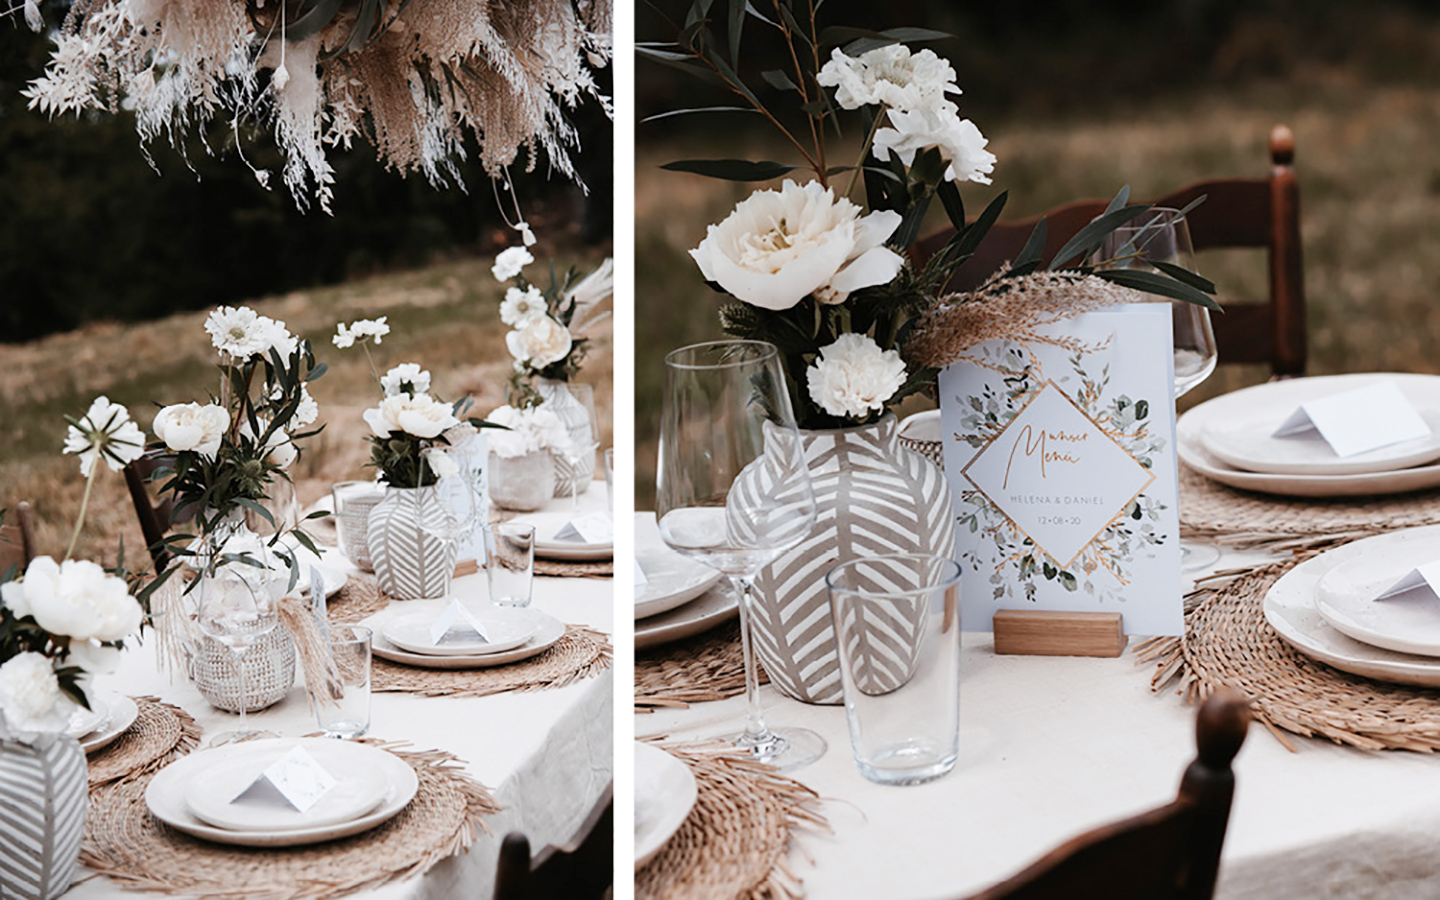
155 517
1259 213
583 869
1169 853
17 540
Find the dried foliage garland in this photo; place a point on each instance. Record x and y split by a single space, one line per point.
414 77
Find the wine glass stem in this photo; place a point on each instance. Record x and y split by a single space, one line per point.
238 655
757 733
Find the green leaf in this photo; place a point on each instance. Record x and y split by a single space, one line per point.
777 79
310 22
1180 273
954 205
975 233
1088 239
1154 283
737 27
700 109
731 169
256 508
750 8
929 166
1122 197
1029 257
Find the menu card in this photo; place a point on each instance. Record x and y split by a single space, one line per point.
471 456
1060 452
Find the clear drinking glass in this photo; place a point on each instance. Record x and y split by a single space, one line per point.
897 624
734 492
510 562
342 706
239 605
1162 234
610 479
576 450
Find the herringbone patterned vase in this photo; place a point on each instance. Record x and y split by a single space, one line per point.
411 535
42 817
872 497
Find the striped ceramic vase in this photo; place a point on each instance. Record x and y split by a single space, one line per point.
411 535
872 496
42 816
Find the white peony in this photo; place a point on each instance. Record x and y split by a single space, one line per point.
105 431
242 333
521 307
441 462
346 335
778 247
75 598
853 376
406 378
93 656
530 430
420 416
509 263
890 76
190 426
960 142
539 342
31 702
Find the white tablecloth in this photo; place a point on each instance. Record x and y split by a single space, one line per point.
1051 746
546 755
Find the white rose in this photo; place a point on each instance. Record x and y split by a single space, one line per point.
853 376
779 247
75 598
890 76
960 142
190 426
406 378
420 416
441 463
31 702
521 307
540 342
509 263
105 432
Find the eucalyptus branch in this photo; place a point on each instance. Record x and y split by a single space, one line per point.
817 138
864 151
761 108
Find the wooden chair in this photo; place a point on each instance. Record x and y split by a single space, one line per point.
17 541
583 869
155 517
1237 212
1170 853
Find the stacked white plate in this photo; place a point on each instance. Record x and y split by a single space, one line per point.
1228 439
549 524
680 597
402 634
1326 608
665 792
109 716
201 794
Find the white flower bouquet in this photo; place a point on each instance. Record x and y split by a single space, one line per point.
528 430
823 277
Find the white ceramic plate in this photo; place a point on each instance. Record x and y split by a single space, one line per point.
213 791
548 524
671 579
1290 608
165 798
548 630
1192 451
505 628
123 713
84 721
332 565
1406 623
713 607
665 792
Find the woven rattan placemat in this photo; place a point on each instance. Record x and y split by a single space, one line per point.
1228 642
124 842
1238 518
604 568
733 845
582 653
360 598
708 666
161 734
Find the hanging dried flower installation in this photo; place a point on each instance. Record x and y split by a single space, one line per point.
414 77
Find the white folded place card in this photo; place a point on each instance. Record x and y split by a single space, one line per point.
640 579
595 528
1422 579
1359 420
294 779
454 614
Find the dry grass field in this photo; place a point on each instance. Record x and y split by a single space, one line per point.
445 317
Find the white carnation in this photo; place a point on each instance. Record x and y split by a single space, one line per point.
31 702
406 378
960 142
346 335
509 263
107 432
778 247
540 342
890 76
420 416
75 598
521 307
190 426
308 410
530 430
853 376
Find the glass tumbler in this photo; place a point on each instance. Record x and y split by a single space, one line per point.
342 705
510 562
897 623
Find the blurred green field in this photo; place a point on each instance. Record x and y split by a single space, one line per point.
1370 203
444 316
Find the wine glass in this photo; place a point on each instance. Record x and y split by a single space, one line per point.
1162 234
582 443
733 491
239 605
